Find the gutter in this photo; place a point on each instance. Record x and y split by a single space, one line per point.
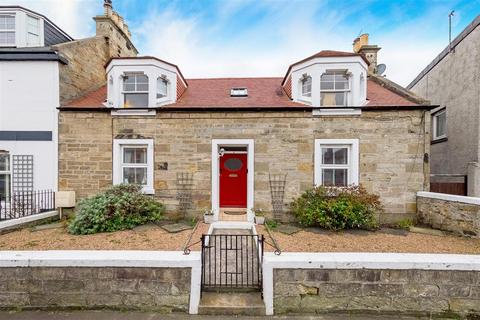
243 109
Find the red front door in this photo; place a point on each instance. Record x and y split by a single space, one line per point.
233 180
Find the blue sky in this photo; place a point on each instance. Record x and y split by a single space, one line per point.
236 38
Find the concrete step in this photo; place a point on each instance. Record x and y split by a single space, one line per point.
232 303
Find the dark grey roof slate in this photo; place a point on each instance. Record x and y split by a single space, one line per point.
475 23
31 54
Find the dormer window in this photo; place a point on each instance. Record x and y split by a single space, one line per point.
334 88
162 87
135 90
7 30
306 86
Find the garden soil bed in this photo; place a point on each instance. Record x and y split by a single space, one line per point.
364 241
150 238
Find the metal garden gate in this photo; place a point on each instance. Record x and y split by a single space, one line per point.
232 261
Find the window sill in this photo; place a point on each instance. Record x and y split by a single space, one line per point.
148 191
439 140
336 112
133 112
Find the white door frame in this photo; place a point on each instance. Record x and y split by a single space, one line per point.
249 143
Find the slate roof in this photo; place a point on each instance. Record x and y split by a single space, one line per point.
31 54
263 93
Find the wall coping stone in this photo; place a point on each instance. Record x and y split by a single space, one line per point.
360 260
111 258
7 224
449 197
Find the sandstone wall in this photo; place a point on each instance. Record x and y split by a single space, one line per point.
361 290
162 289
450 215
392 148
87 58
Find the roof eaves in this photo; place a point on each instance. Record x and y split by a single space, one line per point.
469 29
316 55
146 58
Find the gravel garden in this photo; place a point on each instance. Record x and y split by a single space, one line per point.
122 218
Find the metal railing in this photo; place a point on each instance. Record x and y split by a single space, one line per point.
23 204
232 261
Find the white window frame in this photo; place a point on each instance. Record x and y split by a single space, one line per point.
346 91
435 124
124 92
303 82
35 34
353 158
167 85
14 30
8 172
118 145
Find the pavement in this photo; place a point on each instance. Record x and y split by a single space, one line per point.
117 315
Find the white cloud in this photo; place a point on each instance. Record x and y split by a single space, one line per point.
72 16
289 33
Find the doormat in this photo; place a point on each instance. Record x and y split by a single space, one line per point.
235 213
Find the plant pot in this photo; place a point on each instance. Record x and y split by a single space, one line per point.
208 218
259 220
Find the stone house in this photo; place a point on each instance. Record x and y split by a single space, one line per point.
451 81
41 66
235 144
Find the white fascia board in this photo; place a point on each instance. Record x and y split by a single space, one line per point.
139 63
449 197
340 61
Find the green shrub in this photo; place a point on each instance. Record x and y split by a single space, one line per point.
271 224
336 208
118 208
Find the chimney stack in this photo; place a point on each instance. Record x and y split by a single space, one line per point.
112 26
360 45
107 6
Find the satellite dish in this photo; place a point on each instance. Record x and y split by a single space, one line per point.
381 69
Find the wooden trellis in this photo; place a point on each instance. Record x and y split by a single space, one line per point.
184 190
277 191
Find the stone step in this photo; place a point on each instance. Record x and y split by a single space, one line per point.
232 303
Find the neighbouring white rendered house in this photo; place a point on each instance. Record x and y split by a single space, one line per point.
41 67
29 96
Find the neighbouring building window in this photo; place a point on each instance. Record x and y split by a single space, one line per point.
306 86
135 90
334 88
33 31
5 175
22 170
162 87
336 162
7 30
439 124
133 162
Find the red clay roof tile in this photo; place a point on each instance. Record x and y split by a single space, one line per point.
262 93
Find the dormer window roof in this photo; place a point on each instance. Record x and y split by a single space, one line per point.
238 92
